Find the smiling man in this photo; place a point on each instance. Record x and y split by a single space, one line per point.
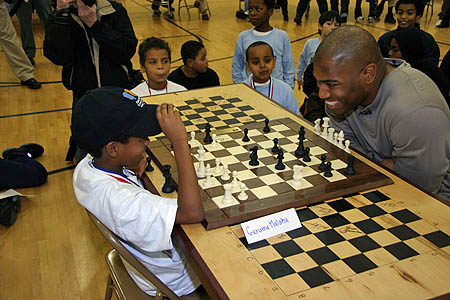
388 110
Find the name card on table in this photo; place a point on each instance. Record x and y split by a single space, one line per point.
271 225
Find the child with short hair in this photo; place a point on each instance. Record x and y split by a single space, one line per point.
328 21
260 12
113 125
408 14
194 74
260 62
155 58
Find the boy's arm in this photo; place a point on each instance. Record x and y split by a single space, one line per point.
301 66
238 64
190 208
288 64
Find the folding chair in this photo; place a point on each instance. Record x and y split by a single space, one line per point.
184 4
119 280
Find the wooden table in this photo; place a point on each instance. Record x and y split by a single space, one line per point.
229 270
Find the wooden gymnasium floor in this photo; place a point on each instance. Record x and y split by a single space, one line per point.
53 251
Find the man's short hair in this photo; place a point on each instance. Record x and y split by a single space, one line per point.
152 43
329 15
255 44
417 4
190 50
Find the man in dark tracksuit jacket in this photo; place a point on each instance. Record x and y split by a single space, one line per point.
94 44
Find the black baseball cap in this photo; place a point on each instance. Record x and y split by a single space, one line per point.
106 113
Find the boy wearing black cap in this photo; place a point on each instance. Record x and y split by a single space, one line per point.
113 125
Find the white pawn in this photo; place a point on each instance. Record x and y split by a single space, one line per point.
325 127
208 170
193 141
341 139
243 195
218 169
214 141
317 126
201 152
235 186
335 139
227 197
201 169
297 178
347 146
330 134
226 173
325 121
208 181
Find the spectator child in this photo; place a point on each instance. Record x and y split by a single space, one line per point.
109 185
408 14
154 56
194 74
260 12
260 63
328 21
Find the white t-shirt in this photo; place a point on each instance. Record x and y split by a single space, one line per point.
142 90
144 220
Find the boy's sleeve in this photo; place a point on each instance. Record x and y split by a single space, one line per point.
238 65
288 63
292 102
302 62
432 51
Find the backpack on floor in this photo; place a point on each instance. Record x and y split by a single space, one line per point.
9 207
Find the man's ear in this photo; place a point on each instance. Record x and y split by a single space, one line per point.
189 62
246 65
111 149
369 73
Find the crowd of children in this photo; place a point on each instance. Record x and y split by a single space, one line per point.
263 59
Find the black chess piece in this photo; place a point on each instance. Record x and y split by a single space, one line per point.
328 170
254 156
266 128
307 158
280 165
245 138
275 147
300 151
168 186
323 164
208 138
149 165
301 133
350 170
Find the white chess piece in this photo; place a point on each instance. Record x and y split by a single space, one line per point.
208 170
347 146
201 153
326 121
193 141
226 173
227 197
298 175
317 126
335 141
325 127
243 195
201 169
218 169
330 134
341 139
214 141
208 181
235 186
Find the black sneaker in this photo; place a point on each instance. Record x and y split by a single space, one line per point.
31 83
286 18
197 4
31 149
205 17
298 20
389 19
343 19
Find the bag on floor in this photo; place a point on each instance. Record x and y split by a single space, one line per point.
9 207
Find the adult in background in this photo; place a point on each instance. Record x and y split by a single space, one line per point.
391 112
15 56
94 44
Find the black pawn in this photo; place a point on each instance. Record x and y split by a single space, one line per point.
149 165
266 128
254 156
275 147
208 138
300 151
245 138
306 158
323 164
280 165
328 170
167 187
350 170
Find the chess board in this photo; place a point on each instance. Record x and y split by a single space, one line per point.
269 190
356 235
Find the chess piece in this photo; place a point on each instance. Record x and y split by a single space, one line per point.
335 138
301 133
201 170
307 158
300 151
298 175
323 164
280 165
245 138
331 131
275 147
266 128
226 173
218 169
208 138
350 170
347 146
193 141
208 181
317 126
341 139
254 156
328 170
214 141
243 195
149 165
201 153
227 196
235 186
167 187
326 121
208 170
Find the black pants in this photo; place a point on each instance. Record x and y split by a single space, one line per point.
303 5
358 11
344 7
21 171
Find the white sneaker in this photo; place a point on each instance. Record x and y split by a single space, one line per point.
370 19
438 23
359 19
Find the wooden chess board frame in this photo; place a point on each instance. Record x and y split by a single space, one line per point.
366 178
